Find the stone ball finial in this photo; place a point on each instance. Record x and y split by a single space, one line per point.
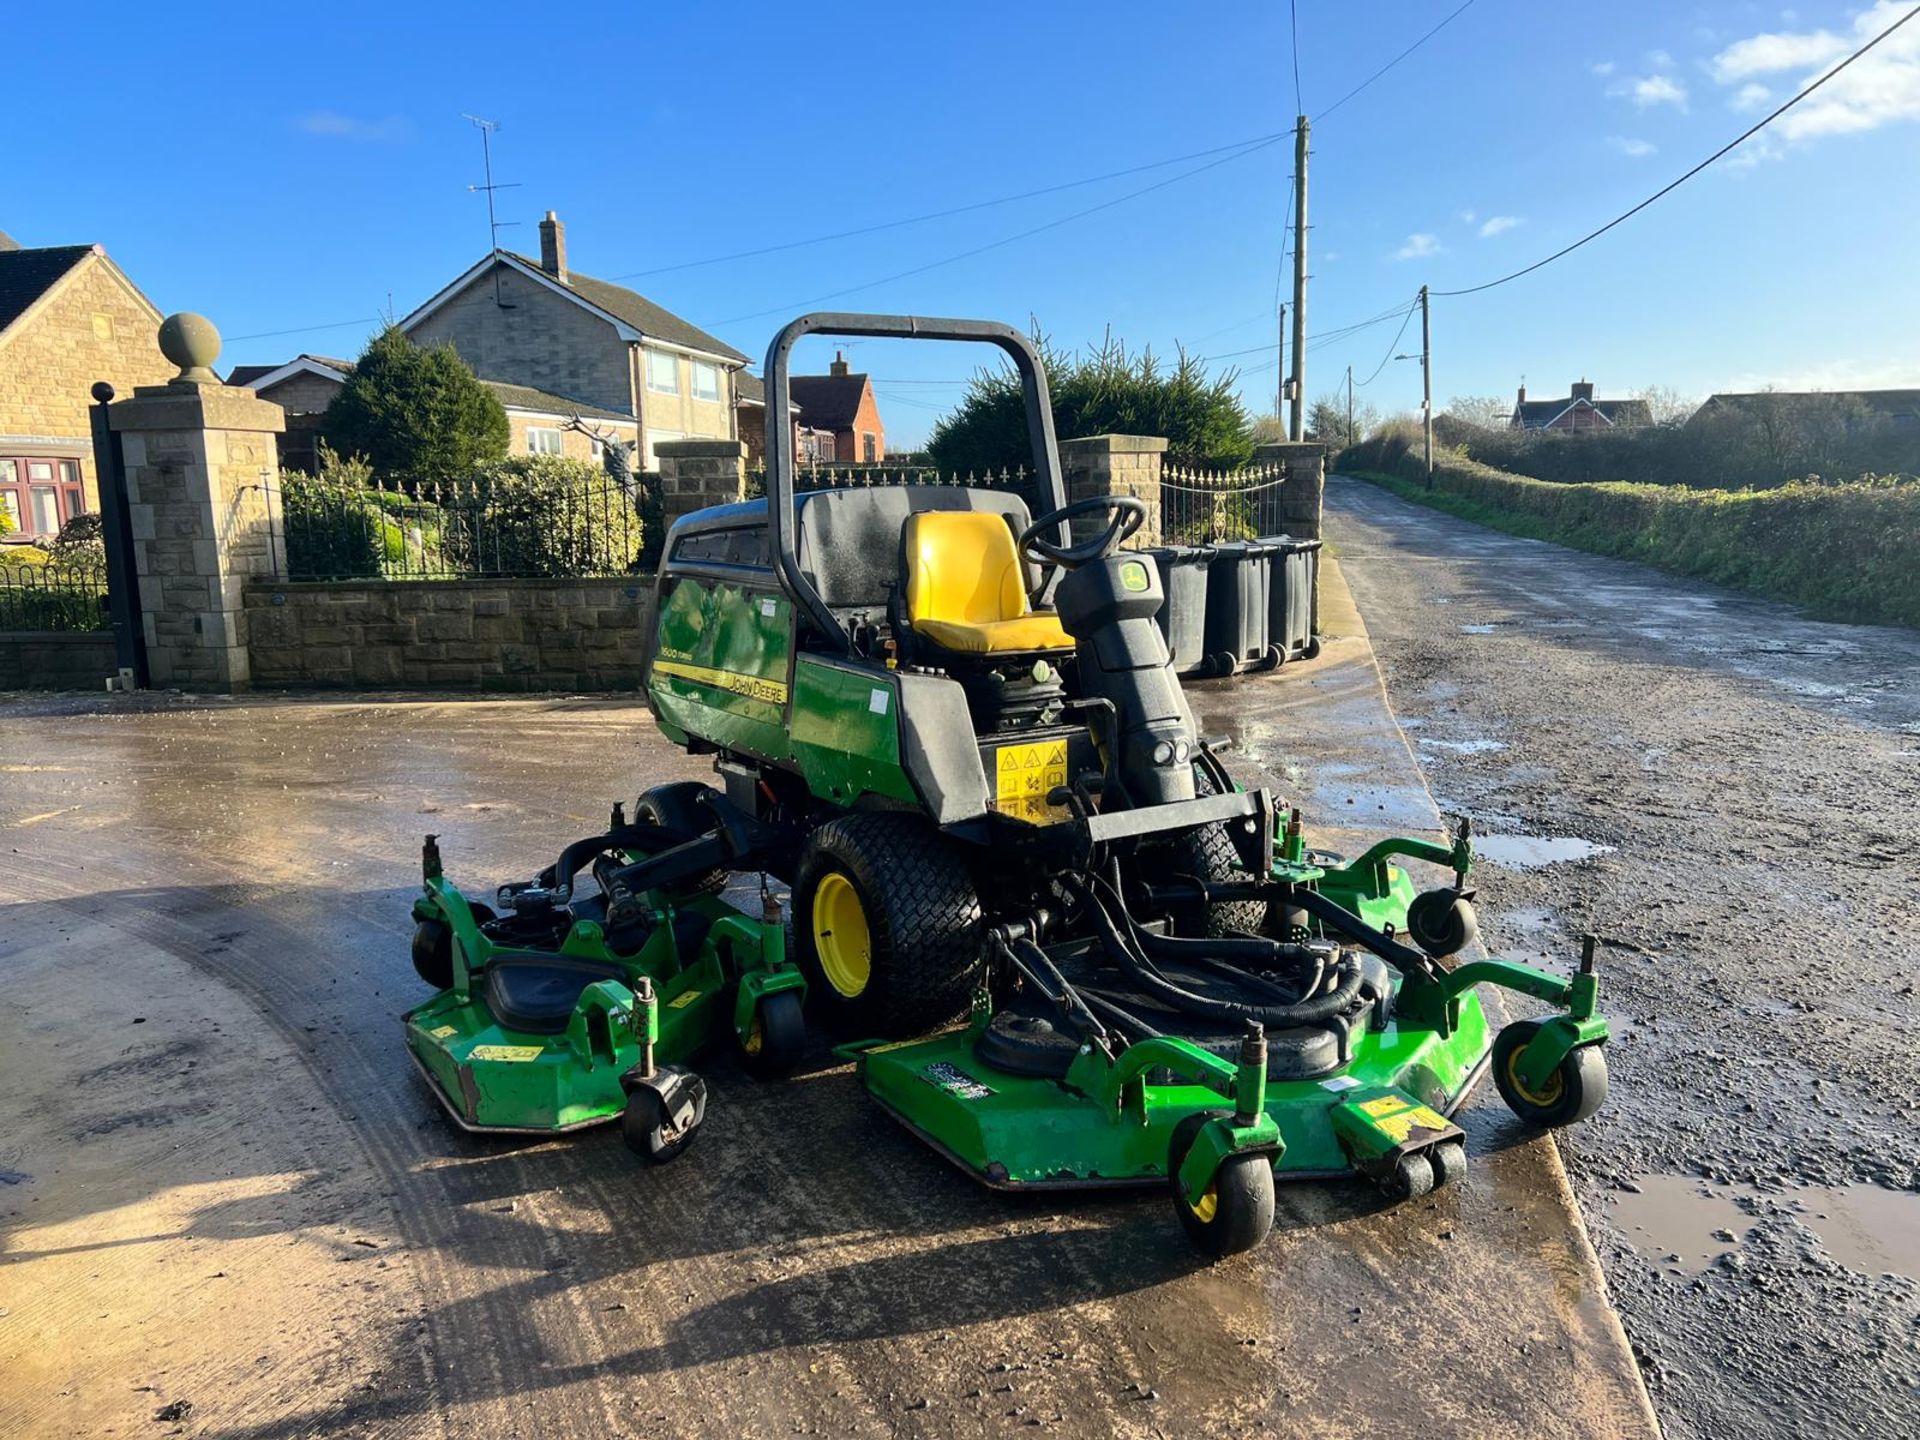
191 342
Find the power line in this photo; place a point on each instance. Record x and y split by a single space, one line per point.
1669 188
799 305
1293 12
304 329
1393 62
1395 345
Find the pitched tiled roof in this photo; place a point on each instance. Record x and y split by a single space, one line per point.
1894 404
831 401
752 390
26 275
641 313
1536 414
525 397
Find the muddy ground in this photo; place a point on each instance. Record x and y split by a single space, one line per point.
1751 780
228 1207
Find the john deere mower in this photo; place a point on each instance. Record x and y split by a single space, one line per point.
561 1010
959 726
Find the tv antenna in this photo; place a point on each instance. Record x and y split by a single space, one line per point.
486 129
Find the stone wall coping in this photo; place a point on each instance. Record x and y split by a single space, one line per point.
1118 444
196 407
65 637
516 582
700 449
1289 450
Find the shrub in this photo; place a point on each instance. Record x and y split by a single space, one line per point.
415 414
542 515
81 541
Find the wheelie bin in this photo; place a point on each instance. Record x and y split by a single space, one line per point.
1237 583
1293 572
1183 616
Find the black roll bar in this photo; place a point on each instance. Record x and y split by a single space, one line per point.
781 510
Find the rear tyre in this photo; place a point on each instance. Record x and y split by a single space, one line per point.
886 922
1576 1088
772 1047
677 807
1236 1212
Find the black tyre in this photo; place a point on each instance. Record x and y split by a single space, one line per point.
1412 1176
1208 853
886 924
1576 1088
1236 1212
779 1035
643 1125
1221 665
1449 1161
677 806
1275 657
433 948
1313 648
1441 923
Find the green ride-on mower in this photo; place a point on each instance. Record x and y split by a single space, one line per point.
561 1011
960 728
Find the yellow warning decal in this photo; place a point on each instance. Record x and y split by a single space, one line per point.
512 1054
680 1002
1385 1105
1398 1127
753 687
444 1031
1024 775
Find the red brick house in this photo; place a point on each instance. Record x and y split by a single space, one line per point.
841 403
1579 413
811 446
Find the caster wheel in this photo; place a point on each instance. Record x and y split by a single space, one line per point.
1412 1177
772 1047
1449 1162
1220 666
1312 650
433 953
647 1128
1273 659
1576 1088
1441 923
1236 1212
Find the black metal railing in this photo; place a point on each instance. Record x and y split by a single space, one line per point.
827 477
514 525
1198 507
58 596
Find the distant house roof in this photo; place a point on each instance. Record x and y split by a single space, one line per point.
514 397
1539 414
258 377
1892 404
752 390
831 401
633 315
27 275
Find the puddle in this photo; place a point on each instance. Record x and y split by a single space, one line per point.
1478 629
1532 852
1868 1228
1463 747
1677 1215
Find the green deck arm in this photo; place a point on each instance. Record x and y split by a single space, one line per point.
1372 865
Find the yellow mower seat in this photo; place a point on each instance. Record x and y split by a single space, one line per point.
966 587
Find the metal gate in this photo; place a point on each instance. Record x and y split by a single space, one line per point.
1199 507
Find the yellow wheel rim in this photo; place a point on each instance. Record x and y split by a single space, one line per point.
1209 1205
756 1036
840 935
1547 1095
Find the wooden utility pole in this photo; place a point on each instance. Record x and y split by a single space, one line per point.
1426 378
1280 375
1297 429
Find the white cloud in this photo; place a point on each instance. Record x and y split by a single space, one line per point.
332 125
1879 374
1659 59
1652 90
1757 151
1627 145
1603 68
1882 87
1498 225
1418 247
1467 217
1751 96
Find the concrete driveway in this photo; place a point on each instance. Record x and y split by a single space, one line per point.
229 1205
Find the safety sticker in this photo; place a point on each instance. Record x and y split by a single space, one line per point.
767 607
1398 1126
1385 1105
680 1002
877 701
444 1031
1024 775
512 1054
1340 1082
955 1081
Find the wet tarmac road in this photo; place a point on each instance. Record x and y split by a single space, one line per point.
230 1191
1728 794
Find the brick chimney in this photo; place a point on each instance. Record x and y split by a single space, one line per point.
1583 390
553 247
839 366
1523 396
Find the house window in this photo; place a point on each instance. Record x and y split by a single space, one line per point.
542 440
660 437
38 496
663 372
869 449
706 381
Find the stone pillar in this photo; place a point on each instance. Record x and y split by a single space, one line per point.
1305 487
697 473
1115 465
201 462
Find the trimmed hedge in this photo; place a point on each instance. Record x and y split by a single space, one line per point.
1846 552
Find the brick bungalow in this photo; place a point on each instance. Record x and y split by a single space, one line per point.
842 404
812 446
68 316
1579 413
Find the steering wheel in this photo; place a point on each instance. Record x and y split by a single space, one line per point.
1128 515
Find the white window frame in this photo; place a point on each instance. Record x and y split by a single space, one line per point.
655 437
653 380
546 440
707 368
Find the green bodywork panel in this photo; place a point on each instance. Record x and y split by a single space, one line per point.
494 1078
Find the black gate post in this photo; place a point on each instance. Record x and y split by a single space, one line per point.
116 528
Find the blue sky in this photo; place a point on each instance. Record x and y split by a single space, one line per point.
276 173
